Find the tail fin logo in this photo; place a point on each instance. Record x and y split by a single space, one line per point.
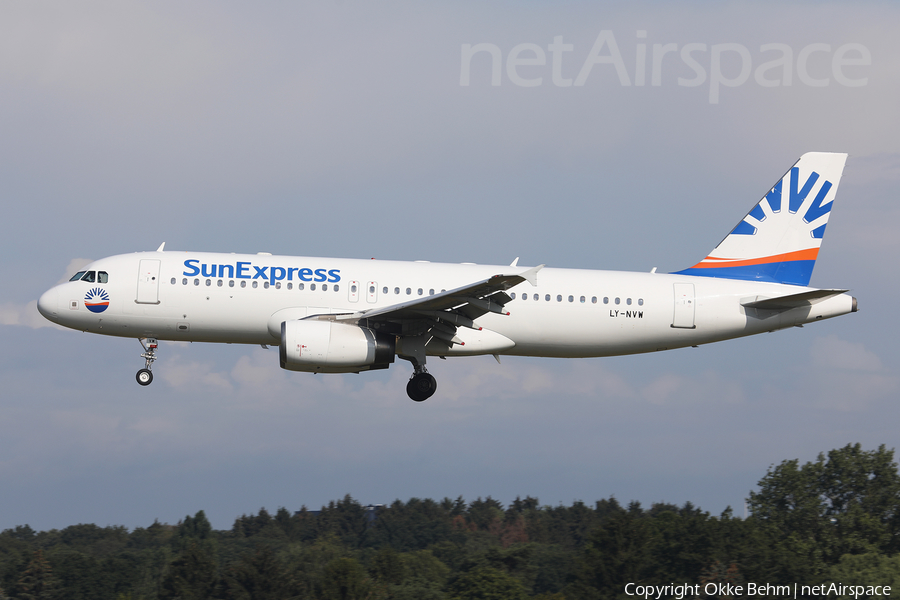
779 239
773 202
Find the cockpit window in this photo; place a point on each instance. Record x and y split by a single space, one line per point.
102 277
90 276
77 276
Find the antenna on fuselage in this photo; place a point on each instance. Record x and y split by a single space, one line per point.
161 246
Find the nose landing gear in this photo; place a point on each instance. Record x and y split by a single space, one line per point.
145 376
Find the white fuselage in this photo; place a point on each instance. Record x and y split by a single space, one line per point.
233 298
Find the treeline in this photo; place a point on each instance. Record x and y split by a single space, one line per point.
833 520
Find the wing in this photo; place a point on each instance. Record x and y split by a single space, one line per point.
439 315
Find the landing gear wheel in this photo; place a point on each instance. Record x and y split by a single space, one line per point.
144 377
421 387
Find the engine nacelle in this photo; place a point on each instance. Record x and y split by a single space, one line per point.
330 347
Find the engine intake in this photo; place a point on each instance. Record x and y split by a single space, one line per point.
330 347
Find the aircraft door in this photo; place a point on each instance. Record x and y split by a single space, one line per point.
684 306
148 282
371 292
354 291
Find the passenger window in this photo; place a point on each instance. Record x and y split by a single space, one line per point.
559 297
90 276
196 282
536 297
408 291
231 283
336 287
184 281
208 282
431 292
255 284
384 290
605 300
353 289
617 301
301 286
219 283
77 276
640 301
243 284
396 290
513 295
103 277
312 287
173 281
524 296
324 287
593 299
628 302
547 298
277 285
571 298
582 299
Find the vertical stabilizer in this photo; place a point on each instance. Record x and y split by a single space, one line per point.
779 239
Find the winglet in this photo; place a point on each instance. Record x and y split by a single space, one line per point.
531 275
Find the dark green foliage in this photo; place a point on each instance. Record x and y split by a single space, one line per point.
191 576
833 520
847 502
487 583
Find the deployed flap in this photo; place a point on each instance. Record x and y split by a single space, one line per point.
482 296
436 318
791 301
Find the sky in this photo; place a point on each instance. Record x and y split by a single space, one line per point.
617 136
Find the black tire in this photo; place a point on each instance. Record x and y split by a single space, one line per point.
421 387
144 377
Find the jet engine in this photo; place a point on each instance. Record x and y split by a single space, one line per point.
329 347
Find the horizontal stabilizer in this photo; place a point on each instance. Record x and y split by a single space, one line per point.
791 301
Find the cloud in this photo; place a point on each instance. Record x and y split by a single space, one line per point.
75 265
26 315
831 352
195 375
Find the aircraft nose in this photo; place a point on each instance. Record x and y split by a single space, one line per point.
48 304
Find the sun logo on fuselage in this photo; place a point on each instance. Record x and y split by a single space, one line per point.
96 300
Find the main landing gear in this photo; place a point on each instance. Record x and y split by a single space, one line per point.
421 386
145 375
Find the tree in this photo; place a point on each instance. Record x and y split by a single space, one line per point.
870 569
619 552
192 576
259 576
345 579
847 502
487 583
37 582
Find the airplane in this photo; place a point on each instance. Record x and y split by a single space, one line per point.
332 315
